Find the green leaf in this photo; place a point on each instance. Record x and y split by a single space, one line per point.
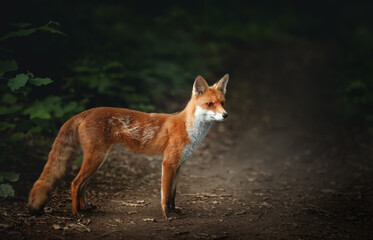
112 64
6 190
6 125
25 32
9 99
19 81
35 129
43 109
9 110
15 137
40 81
37 112
52 106
10 176
19 33
51 30
53 22
47 28
354 85
7 66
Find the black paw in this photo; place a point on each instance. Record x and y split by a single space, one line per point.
34 212
89 209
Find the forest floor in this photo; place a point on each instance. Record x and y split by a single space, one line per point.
280 167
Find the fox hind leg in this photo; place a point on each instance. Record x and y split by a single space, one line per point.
91 163
171 203
83 203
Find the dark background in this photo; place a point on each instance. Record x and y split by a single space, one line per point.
145 56
133 54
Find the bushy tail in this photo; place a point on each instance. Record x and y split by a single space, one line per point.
63 151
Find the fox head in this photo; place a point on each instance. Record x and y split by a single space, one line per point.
210 101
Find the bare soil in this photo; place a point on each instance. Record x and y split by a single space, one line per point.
281 167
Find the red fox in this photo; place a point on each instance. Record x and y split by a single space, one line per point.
95 131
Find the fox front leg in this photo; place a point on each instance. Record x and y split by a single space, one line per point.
169 172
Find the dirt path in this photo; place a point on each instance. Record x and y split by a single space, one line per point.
277 169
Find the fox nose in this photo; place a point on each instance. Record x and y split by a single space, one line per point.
225 115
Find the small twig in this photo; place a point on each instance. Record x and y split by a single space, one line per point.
259 216
131 204
207 195
106 234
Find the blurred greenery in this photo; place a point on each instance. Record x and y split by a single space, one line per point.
6 190
129 54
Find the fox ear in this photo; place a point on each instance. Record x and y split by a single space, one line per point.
222 84
200 86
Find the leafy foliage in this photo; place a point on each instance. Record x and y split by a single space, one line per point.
19 81
8 66
25 30
356 74
14 108
6 190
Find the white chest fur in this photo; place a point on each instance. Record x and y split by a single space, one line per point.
197 132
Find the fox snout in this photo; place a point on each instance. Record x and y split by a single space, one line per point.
220 116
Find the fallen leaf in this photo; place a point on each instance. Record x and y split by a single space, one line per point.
240 213
56 227
132 212
79 227
140 203
328 191
2 225
251 179
149 220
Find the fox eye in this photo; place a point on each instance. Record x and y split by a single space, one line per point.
222 103
210 104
